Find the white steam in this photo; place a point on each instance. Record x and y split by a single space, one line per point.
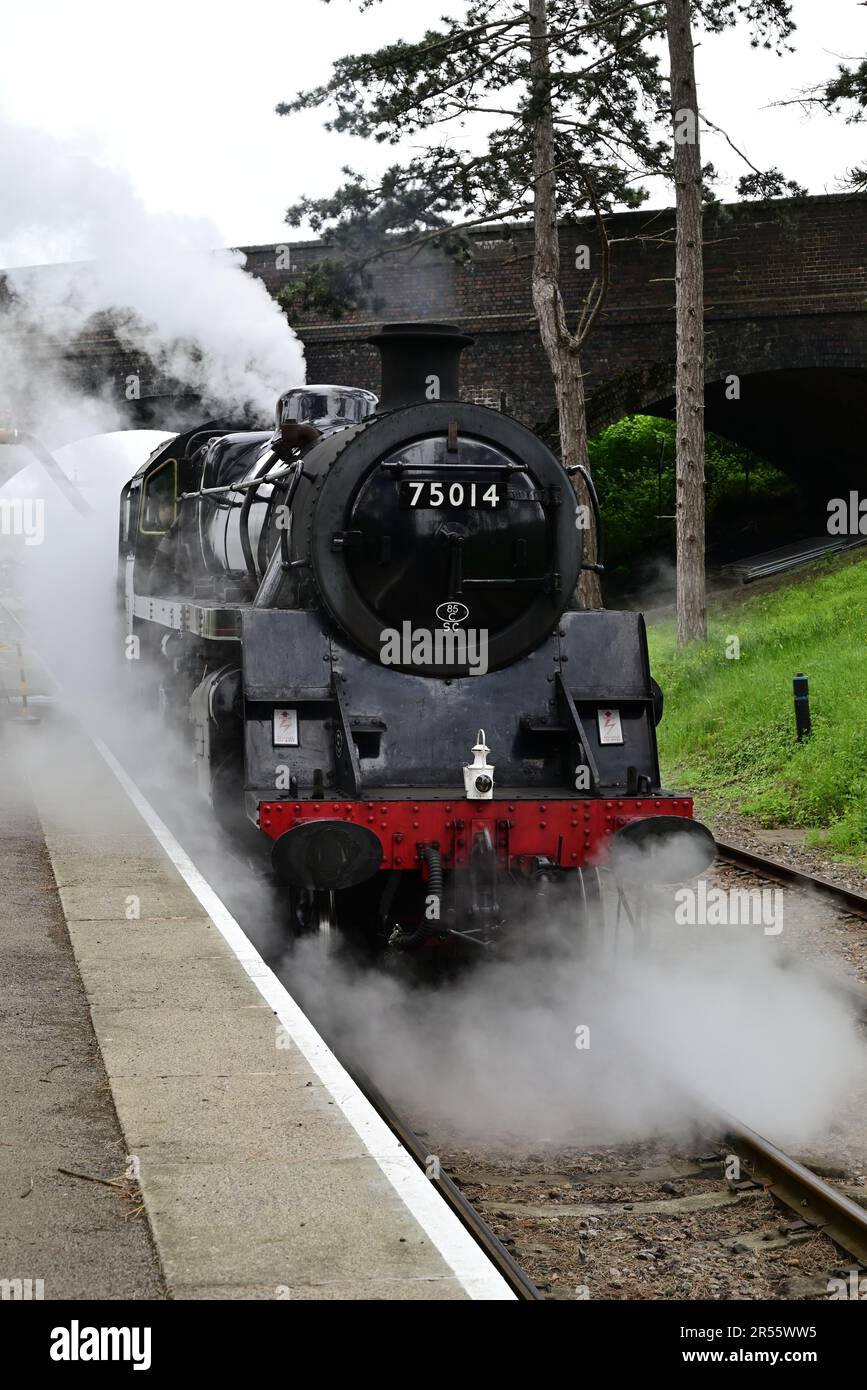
557 1047
158 284
171 295
66 584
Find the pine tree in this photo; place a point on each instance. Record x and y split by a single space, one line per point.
573 90
843 94
530 111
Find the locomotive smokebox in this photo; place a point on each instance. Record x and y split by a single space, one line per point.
420 362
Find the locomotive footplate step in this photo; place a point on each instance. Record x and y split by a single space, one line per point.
263 1170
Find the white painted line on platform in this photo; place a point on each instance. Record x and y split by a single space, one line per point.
470 1264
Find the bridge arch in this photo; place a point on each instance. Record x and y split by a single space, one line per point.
810 421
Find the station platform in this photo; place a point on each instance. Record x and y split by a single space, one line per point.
65 1230
148 1040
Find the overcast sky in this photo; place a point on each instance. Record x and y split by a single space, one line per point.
180 95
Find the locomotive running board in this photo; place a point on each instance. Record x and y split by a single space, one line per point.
215 622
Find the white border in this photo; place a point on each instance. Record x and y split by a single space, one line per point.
471 1266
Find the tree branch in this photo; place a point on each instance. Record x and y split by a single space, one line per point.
588 319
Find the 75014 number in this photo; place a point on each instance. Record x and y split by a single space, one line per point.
432 494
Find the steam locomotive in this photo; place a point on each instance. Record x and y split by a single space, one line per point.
352 614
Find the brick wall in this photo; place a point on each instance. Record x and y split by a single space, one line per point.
786 289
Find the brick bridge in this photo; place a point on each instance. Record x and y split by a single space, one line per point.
786 313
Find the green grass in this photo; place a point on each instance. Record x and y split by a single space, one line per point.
727 733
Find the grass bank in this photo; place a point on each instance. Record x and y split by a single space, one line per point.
728 728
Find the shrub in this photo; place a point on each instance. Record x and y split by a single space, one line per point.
624 460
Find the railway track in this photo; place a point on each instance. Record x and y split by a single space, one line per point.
725 1214
820 1205
732 1217
847 903
846 899
468 1213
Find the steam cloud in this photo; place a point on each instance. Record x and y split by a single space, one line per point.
166 293
171 295
706 1017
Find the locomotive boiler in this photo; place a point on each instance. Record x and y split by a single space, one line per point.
365 623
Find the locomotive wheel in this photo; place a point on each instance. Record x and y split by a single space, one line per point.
313 912
324 914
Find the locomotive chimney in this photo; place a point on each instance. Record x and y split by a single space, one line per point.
420 362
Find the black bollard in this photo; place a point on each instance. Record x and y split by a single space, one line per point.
801 690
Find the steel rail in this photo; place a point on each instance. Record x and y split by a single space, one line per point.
845 898
520 1282
815 1201
811 1199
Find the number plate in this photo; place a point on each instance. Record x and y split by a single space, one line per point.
452 496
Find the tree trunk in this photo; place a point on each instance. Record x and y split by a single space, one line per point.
560 345
689 277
